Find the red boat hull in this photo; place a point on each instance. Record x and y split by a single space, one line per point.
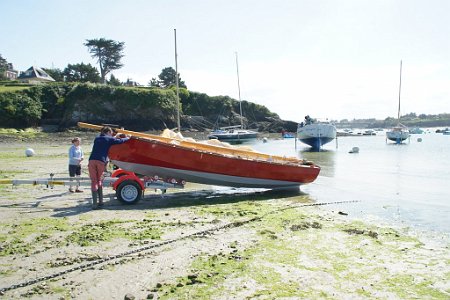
152 157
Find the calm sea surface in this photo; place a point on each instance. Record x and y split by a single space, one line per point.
408 184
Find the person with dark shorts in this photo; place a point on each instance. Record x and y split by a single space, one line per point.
98 160
76 156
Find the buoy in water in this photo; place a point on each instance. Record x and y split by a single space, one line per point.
419 140
354 150
29 152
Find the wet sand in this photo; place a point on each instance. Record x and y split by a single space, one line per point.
197 243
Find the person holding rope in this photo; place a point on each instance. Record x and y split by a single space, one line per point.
76 156
98 160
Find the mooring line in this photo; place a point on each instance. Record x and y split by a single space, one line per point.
157 245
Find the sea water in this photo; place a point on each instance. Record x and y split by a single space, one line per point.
405 183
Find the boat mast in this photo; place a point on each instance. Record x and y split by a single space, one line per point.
239 90
176 81
399 92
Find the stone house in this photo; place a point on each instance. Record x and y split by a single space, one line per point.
10 73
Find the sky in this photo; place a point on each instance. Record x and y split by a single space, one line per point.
335 59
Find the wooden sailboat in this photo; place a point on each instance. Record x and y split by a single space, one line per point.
177 158
400 132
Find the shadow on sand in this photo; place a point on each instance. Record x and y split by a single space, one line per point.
185 199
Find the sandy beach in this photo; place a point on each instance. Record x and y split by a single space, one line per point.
201 242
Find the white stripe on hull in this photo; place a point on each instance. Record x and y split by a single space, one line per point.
205 178
317 130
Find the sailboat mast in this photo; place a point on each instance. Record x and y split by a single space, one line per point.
239 90
399 92
177 84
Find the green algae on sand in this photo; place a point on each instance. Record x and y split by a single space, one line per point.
334 258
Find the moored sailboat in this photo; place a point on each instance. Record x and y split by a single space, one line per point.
235 133
400 132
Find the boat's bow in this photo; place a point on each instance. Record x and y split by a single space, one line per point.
316 134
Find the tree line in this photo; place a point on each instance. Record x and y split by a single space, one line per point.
410 120
139 108
108 55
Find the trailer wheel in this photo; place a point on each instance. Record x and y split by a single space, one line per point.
129 192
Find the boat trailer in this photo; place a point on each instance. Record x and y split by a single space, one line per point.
129 187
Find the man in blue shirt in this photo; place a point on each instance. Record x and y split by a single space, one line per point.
98 161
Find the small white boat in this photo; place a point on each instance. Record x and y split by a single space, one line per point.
416 130
233 134
369 132
315 133
345 132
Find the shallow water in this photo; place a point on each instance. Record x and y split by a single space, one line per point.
407 183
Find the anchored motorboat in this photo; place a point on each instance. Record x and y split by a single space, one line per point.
315 133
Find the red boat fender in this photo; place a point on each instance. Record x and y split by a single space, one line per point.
131 176
121 172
